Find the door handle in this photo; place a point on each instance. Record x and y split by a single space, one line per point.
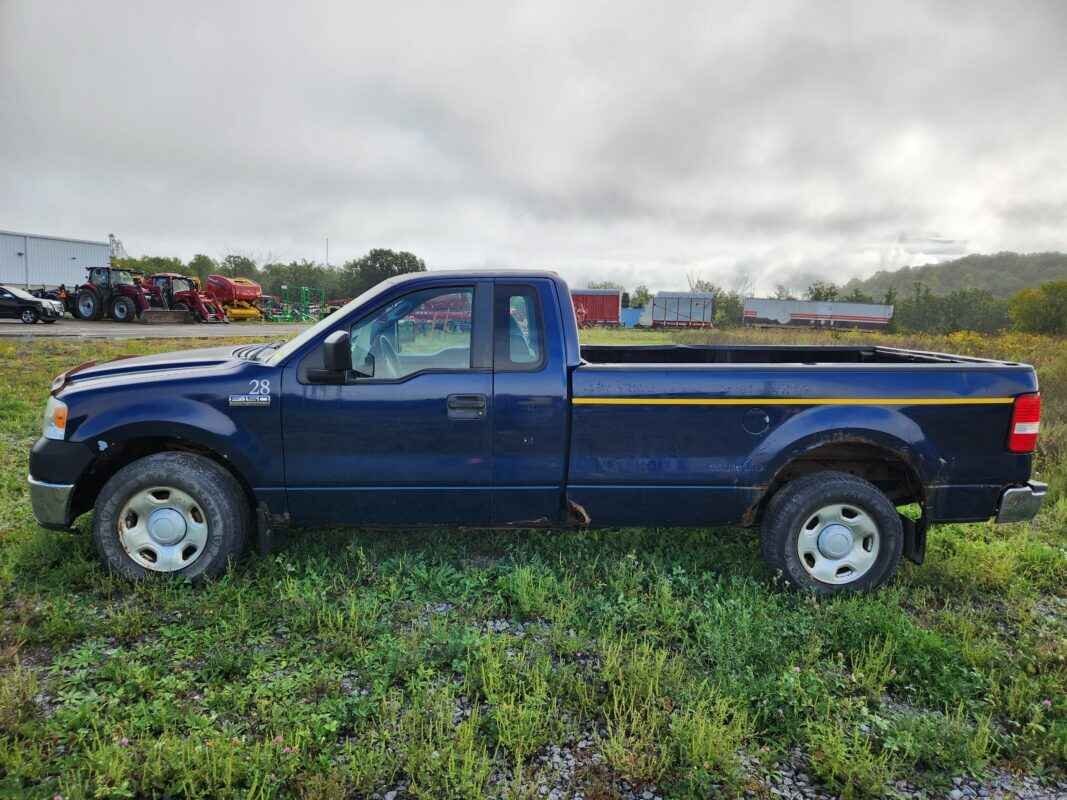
466 406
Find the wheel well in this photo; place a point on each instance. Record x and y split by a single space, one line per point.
119 455
885 468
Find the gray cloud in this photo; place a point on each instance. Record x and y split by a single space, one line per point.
770 142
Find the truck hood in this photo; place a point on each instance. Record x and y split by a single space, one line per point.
188 360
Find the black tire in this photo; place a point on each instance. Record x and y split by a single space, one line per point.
224 506
123 309
28 316
794 505
87 305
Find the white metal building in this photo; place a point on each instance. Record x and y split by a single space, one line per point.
31 260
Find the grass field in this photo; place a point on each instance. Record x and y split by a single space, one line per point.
526 664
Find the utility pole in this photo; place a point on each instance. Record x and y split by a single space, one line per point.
327 251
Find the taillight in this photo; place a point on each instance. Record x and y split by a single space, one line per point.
1025 418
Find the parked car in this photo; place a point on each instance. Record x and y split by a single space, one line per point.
17 303
501 419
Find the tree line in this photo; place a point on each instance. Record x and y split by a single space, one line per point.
339 283
1002 274
1038 309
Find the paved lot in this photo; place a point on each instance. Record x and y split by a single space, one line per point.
75 328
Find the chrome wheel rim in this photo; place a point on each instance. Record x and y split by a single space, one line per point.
28 316
163 529
86 306
838 544
121 311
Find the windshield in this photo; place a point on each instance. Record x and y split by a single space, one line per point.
120 277
181 285
306 336
19 293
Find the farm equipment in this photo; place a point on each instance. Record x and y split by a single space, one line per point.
297 307
241 298
172 294
114 293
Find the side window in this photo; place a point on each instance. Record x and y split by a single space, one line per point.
430 329
518 327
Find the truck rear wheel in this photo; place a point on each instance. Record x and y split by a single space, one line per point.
832 533
171 513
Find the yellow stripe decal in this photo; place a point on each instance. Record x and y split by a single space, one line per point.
791 401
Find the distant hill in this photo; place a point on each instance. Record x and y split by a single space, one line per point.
1002 274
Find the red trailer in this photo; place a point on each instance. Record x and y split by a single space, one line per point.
597 306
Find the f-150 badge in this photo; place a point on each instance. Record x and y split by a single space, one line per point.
249 400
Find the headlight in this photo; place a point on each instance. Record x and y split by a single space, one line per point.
55 419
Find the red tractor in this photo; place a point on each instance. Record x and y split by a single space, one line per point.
174 292
109 292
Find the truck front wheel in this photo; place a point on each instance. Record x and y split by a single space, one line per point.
171 513
831 533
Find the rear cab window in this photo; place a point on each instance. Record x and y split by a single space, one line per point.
518 327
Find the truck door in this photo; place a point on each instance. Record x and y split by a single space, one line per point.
530 404
411 442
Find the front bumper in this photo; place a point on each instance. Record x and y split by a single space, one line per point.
50 311
51 503
1021 503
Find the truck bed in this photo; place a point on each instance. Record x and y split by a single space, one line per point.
766 354
700 431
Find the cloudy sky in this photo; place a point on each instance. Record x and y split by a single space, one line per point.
633 141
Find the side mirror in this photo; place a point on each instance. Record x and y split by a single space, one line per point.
337 352
336 360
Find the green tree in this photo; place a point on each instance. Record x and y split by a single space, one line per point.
238 266
201 266
822 290
150 264
961 310
362 273
640 297
606 285
293 274
729 308
856 296
1040 310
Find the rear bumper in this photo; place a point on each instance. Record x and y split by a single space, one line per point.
51 503
1021 503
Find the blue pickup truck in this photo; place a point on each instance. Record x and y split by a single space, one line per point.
465 399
